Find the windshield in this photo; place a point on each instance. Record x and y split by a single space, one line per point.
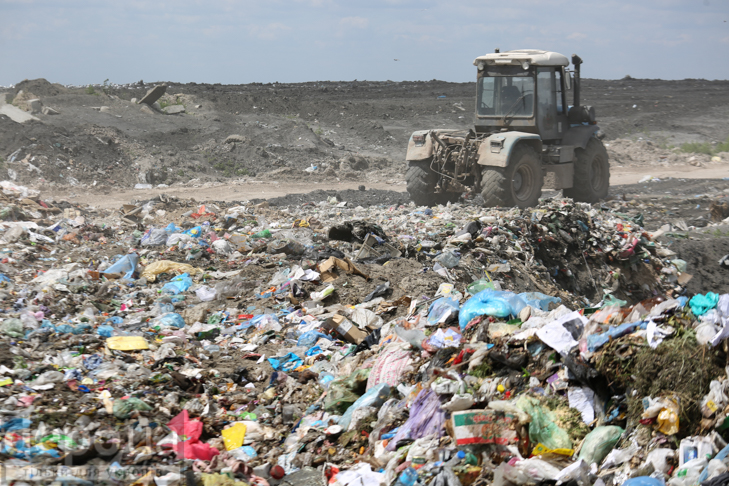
505 93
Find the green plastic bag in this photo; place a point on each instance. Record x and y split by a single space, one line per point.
480 285
342 393
13 328
599 443
123 409
542 428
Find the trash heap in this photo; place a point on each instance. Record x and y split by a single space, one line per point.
173 342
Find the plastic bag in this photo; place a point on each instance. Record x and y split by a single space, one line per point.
643 481
448 259
178 284
480 285
530 471
599 443
170 319
345 391
309 338
701 304
539 300
668 418
233 437
442 310
206 294
154 237
374 397
288 362
390 366
542 428
426 418
167 266
494 303
12 327
125 407
266 322
126 265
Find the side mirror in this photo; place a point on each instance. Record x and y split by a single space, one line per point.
567 76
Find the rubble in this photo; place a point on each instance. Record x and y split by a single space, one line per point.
173 341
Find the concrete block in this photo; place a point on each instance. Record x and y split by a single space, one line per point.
47 110
35 106
16 114
174 109
146 109
154 94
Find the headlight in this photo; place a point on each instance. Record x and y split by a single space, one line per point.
419 140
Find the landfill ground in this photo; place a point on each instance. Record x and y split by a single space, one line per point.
268 307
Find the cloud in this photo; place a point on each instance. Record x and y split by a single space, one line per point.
269 32
577 36
354 22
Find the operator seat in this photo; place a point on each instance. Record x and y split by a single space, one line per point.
509 95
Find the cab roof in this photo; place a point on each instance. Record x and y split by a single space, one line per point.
533 56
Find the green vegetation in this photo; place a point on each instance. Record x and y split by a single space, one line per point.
319 131
705 147
164 103
105 87
90 90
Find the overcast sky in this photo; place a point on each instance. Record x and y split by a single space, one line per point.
241 41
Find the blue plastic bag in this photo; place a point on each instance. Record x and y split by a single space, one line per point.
286 363
596 341
114 321
314 351
15 424
105 331
643 481
195 232
539 300
178 284
309 338
495 303
92 362
172 228
442 310
154 237
374 397
171 319
701 304
128 264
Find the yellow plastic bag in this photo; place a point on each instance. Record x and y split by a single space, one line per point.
234 436
668 418
127 343
540 449
167 266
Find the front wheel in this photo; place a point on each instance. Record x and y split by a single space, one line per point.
519 184
421 182
592 173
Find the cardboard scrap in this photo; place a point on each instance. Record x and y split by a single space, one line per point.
328 269
484 427
345 329
127 343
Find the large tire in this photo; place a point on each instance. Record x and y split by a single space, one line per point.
519 184
421 183
592 173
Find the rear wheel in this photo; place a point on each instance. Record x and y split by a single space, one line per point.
421 183
519 184
592 173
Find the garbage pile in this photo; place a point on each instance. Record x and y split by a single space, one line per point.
173 342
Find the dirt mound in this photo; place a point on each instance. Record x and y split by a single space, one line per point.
702 252
40 87
368 197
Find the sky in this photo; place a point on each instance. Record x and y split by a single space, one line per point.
240 41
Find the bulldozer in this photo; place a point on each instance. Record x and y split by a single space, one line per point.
524 129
